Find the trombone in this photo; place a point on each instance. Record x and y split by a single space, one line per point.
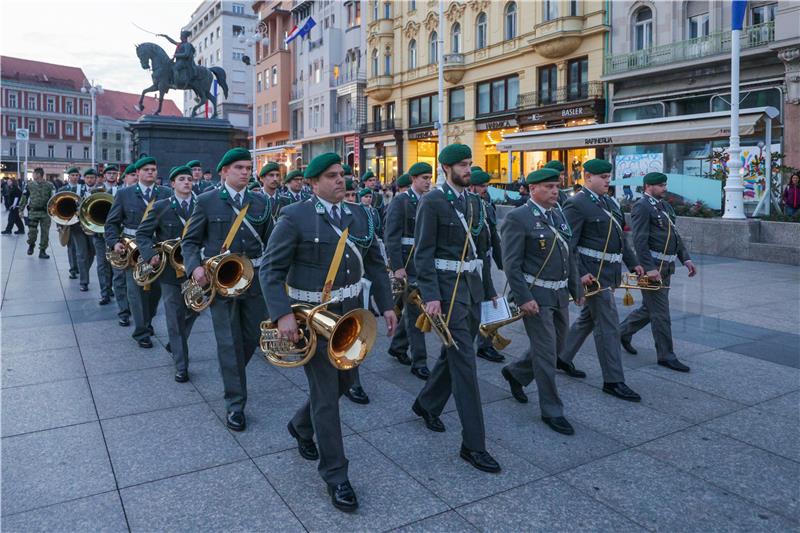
229 275
426 322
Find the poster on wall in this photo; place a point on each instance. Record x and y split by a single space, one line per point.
754 170
637 165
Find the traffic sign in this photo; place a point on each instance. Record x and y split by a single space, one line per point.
22 134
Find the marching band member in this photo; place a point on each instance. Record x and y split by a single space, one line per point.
73 185
118 279
558 166
104 270
294 185
199 184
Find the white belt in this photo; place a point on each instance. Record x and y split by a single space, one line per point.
130 232
313 297
667 258
453 266
407 241
545 284
611 258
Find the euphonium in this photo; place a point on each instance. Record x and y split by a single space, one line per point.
63 208
491 331
93 211
229 275
350 337
426 322
172 249
125 259
144 274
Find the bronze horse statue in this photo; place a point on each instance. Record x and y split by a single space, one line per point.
152 56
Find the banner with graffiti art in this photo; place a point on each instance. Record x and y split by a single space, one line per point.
754 174
637 165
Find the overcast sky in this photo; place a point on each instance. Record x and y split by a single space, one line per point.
97 36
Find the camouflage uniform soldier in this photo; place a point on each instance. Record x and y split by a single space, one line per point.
36 196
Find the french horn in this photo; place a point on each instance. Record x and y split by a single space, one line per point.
426 322
229 275
127 258
145 274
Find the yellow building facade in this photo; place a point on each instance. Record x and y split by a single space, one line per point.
508 66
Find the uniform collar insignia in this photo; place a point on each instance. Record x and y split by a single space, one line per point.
319 208
345 209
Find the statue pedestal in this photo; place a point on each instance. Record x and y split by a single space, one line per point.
173 141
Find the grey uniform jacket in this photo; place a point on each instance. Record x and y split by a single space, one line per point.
300 251
439 234
497 249
527 239
589 225
651 219
162 223
401 218
127 211
213 217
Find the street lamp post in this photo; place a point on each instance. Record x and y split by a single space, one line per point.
253 40
93 90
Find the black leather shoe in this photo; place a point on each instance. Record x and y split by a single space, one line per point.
306 448
674 365
105 300
490 354
626 343
124 322
181 376
421 372
432 422
19 233
621 391
84 288
402 358
151 330
559 424
145 343
235 420
516 387
569 369
357 395
168 347
6 232
343 497
480 460
30 250
43 255
73 275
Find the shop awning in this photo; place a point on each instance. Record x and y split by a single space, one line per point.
274 149
704 126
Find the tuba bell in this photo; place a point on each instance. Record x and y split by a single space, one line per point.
426 322
229 275
491 330
63 208
350 337
93 211
125 259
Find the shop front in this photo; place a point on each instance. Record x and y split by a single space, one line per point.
423 147
381 152
489 132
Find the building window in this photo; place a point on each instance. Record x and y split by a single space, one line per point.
455 38
12 149
86 110
258 115
237 56
32 150
456 103
387 10
217 55
87 130
86 152
699 26
69 128
104 135
31 126
578 79
51 127
274 76
238 9
573 8
433 48
412 5
317 72
377 116
762 14
550 9
548 84
275 111
12 100
510 26
387 63
51 104
423 110
480 31
69 152
104 153
51 151
32 100
498 95
412 54
375 10
69 107
118 136
390 114
258 82
643 29
118 154
374 61
12 123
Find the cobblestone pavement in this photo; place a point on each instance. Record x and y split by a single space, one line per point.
96 435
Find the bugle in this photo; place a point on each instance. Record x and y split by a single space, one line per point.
63 208
229 275
127 258
491 330
93 212
172 249
144 273
426 322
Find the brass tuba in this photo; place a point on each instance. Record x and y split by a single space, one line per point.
93 211
229 275
63 208
172 249
426 322
491 331
350 337
125 259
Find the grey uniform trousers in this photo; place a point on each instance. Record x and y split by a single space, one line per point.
104 275
409 336
120 283
598 316
455 372
81 245
143 305
237 329
319 415
72 253
654 311
180 320
547 332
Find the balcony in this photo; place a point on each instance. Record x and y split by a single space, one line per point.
378 127
344 79
379 87
453 67
702 47
382 26
558 37
343 126
592 90
297 92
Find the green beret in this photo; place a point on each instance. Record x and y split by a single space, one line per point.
130 169
367 175
348 170
321 163
292 175
654 178
475 168
597 166
73 170
479 177
89 172
555 165
543 175
365 191
420 168
144 160
349 185
177 171
110 168
272 166
233 155
194 163
453 153
404 180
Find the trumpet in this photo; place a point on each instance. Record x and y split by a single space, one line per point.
93 211
229 275
631 280
426 322
127 258
491 330
350 337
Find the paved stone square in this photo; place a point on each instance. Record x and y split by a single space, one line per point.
97 436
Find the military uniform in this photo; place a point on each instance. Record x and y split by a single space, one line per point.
80 248
106 277
653 225
35 198
289 198
123 219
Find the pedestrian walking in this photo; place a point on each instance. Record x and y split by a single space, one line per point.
791 196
